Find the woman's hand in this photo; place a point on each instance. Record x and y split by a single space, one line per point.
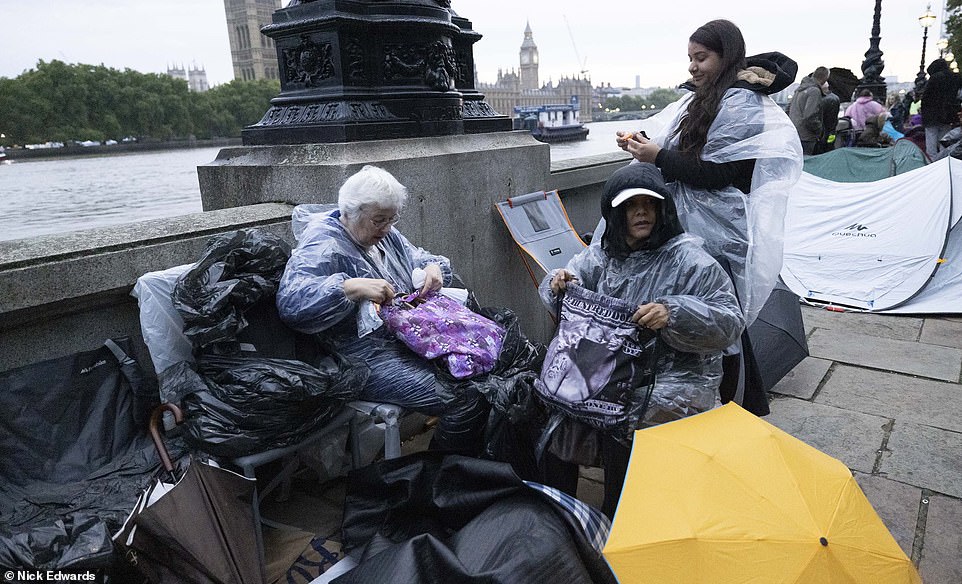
375 290
652 316
622 138
559 282
433 279
641 148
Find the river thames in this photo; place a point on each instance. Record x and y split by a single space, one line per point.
54 196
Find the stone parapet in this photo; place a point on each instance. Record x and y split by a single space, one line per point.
66 293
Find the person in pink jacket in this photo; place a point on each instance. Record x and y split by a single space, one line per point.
863 108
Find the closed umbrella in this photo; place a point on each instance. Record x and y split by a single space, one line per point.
778 336
724 496
195 527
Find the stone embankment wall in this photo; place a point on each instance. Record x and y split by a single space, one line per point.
66 293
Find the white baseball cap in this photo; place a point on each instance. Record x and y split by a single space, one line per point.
633 192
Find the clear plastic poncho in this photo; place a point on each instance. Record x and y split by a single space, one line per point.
704 316
311 299
746 231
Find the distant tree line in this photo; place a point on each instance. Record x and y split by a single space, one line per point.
632 103
62 102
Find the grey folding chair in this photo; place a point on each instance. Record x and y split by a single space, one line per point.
540 226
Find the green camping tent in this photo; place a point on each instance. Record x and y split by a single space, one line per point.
866 164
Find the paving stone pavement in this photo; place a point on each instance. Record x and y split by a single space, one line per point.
881 393
892 385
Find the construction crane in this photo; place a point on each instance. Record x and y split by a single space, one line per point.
582 63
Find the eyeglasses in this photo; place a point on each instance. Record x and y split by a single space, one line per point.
382 223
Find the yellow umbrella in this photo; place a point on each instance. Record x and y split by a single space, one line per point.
726 497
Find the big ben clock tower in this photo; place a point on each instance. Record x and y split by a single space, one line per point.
529 61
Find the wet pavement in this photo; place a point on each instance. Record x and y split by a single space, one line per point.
881 393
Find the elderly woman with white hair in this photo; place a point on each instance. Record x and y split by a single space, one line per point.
354 254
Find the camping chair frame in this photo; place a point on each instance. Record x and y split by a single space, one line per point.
539 225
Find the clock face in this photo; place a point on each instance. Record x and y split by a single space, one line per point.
534 58
525 58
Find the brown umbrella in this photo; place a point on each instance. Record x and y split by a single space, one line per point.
196 526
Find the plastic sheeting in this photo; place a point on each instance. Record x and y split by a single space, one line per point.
429 518
73 457
161 326
704 316
248 391
744 231
515 412
236 271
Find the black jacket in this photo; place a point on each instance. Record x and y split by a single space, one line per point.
940 99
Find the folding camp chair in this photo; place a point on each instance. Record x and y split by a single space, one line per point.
540 226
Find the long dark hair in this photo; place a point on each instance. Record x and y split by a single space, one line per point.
724 38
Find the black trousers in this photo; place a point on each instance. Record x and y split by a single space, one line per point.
563 475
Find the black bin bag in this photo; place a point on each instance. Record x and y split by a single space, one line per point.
237 271
237 405
257 384
73 457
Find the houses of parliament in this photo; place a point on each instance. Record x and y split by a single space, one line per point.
521 87
255 57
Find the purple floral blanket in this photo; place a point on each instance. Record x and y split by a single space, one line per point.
439 327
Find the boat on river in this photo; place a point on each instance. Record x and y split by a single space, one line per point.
551 123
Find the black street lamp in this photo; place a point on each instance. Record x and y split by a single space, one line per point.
926 20
943 45
873 64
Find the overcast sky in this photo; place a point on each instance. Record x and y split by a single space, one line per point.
614 41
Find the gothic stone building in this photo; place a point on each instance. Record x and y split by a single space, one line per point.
252 53
521 88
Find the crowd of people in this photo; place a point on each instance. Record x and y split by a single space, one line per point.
924 115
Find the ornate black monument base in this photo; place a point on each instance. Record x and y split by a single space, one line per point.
369 70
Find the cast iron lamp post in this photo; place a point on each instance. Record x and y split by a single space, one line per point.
926 20
872 65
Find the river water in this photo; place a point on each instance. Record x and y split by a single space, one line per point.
53 196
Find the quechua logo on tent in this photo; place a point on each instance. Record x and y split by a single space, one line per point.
854 230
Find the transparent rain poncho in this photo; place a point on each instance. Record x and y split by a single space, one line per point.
311 296
311 299
704 316
746 231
